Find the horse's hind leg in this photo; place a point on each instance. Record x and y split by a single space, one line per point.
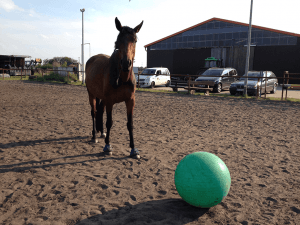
99 117
93 114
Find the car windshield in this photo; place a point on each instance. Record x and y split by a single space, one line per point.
148 71
253 75
208 73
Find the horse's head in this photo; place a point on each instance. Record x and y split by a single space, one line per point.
126 44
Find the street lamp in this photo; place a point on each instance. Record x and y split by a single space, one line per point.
82 49
248 52
89 48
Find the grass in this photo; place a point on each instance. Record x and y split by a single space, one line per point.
56 78
51 77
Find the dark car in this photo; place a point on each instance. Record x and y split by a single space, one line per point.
218 78
270 84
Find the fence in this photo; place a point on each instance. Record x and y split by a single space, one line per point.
186 82
286 77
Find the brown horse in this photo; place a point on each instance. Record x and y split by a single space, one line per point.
111 80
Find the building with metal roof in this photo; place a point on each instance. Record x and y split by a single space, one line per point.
185 51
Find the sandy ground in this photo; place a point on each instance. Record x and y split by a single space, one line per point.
51 174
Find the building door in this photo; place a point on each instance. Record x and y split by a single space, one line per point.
236 58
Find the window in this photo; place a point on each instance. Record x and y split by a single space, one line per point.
190 38
210 25
216 37
202 37
266 41
209 37
196 37
202 44
222 25
274 41
283 41
228 36
236 36
169 45
222 36
208 44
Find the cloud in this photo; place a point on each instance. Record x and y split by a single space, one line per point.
9 5
44 36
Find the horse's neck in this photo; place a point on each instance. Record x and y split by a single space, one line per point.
126 76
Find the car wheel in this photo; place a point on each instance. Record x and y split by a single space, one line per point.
175 89
274 89
168 83
152 84
218 89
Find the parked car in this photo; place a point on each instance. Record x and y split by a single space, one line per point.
271 83
218 78
152 77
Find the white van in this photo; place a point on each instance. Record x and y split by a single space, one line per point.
152 77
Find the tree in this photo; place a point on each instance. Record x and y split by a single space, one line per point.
62 60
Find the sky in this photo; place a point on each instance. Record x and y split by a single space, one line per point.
53 28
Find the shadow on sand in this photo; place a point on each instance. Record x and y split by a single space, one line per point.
167 211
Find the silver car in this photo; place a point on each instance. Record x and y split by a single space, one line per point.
265 85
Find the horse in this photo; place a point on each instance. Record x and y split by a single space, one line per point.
111 80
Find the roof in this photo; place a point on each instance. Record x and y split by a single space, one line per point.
227 21
16 56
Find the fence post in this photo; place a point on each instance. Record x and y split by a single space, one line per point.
287 81
283 80
266 84
68 76
257 88
2 73
189 85
138 81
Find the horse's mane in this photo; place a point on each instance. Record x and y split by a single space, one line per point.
114 70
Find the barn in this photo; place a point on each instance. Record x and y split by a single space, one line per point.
185 51
13 62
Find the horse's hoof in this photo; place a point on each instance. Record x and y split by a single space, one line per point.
135 154
93 140
107 150
103 135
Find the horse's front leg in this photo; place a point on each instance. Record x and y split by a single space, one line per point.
108 149
130 105
99 117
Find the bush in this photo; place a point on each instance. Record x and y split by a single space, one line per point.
54 77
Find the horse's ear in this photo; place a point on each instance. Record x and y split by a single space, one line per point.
138 27
118 24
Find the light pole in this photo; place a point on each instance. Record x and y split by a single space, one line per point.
82 49
248 51
89 48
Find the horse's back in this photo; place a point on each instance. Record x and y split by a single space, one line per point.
97 72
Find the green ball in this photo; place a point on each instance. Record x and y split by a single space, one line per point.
202 179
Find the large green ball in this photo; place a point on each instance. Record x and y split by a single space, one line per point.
202 179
